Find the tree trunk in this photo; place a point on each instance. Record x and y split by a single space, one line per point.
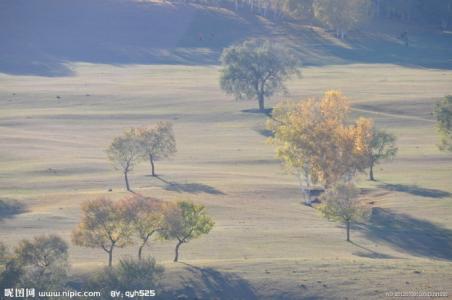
261 101
371 172
176 257
151 160
110 257
348 231
126 179
140 250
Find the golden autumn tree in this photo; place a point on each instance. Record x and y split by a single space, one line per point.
314 139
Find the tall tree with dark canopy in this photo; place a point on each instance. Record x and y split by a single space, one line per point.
256 69
184 222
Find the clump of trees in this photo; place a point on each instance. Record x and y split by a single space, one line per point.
443 114
108 224
185 221
256 69
341 15
348 12
341 203
315 140
41 263
137 144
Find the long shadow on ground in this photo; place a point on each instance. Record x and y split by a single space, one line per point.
414 236
416 190
208 283
192 188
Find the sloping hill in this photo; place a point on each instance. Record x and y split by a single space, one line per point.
41 37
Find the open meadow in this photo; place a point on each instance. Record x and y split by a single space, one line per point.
265 244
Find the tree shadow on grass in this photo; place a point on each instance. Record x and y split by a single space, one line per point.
369 253
9 208
414 236
416 190
208 283
192 188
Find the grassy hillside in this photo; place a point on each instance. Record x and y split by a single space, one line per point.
266 244
40 38
75 74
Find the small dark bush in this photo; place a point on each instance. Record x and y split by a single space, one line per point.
130 274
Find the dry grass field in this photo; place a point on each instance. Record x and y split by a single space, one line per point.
266 244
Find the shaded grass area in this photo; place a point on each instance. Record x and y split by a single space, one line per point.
416 190
10 207
409 234
184 34
209 283
191 188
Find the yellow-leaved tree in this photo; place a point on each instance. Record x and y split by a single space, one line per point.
315 140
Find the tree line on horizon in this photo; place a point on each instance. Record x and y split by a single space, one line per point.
437 13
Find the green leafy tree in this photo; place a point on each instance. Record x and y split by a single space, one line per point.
124 152
104 226
146 217
158 142
256 69
185 221
382 146
443 113
341 203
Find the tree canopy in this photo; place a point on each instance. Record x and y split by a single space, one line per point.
185 221
124 152
158 142
145 216
256 69
380 146
341 203
104 226
314 138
